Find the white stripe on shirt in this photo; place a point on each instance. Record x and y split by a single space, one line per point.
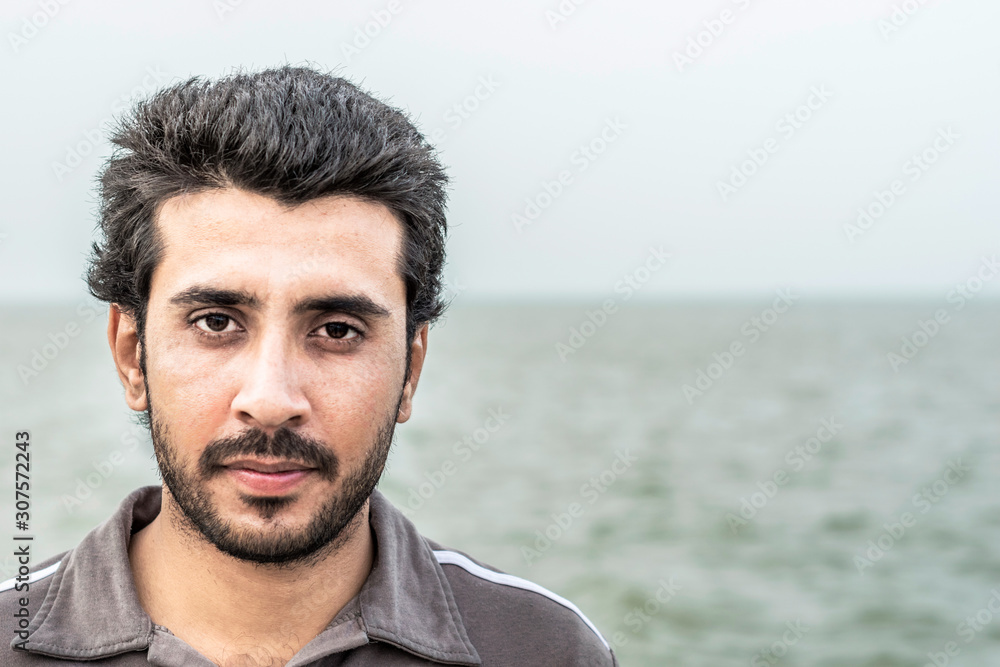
32 578
453 558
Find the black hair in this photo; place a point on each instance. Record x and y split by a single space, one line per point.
290 133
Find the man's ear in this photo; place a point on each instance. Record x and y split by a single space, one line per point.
418 350
123 337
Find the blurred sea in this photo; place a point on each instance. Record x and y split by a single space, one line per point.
663 524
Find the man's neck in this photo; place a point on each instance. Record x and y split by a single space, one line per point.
233 611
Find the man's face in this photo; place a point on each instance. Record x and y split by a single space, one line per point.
275 357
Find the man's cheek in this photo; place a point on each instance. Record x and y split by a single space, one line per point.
354 387
194 406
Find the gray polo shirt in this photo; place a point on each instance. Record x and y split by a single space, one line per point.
421 605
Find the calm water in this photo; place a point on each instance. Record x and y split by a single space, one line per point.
641 490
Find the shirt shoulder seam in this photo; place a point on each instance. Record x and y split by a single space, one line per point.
447 557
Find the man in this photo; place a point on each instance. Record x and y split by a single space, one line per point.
272 252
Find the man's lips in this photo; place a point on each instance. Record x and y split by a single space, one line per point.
267 478
267 466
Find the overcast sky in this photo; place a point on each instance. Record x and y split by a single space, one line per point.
741 137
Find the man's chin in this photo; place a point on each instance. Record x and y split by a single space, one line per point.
270 530
291 513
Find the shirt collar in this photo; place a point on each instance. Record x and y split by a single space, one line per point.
92 611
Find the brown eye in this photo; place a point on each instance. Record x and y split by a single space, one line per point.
214 323
337 330
217 322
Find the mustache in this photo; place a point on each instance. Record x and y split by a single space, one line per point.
284 444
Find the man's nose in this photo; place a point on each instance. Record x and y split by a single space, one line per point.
270 394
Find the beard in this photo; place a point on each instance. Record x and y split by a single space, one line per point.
274 544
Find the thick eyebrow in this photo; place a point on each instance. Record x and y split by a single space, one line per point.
210 296
358 305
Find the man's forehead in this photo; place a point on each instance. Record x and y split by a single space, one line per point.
242 217
233 239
